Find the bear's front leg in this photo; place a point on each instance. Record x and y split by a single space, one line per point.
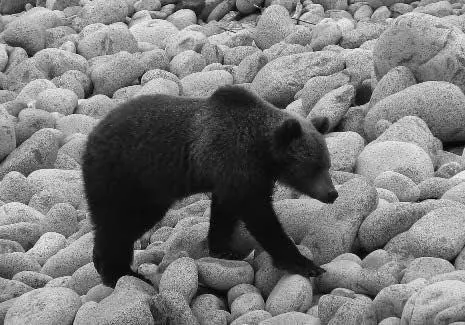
263 224
223 220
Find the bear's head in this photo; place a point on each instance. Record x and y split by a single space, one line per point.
303 158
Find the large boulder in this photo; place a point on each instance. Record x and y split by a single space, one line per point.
280 79
439 103
431 48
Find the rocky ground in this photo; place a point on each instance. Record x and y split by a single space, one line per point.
389 75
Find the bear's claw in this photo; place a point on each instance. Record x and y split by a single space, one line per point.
225 255
303 266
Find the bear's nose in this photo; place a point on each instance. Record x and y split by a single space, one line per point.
332 196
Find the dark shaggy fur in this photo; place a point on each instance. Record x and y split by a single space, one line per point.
154 150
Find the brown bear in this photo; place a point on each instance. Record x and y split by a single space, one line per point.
156 149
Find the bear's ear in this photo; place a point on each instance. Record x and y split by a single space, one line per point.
234 95
288 130
321 124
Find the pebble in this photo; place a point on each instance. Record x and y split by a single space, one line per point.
84 278
403 157
76 123
425 268
182 276
455 193
173 308
25 233
44 306
402 186
59 100
186 63
15 212
112 72
37 152
273 26
69 259
185 40
334 105
31 120
26 34
395 80
336 225
223 274
159 86
155 31
390 301
33 89
96 106
97 293
252 317
10 246
246 303
32 278
415 100
293 213
414 130
423 306
292 317
100 11
7 135
326 32
182 18
203 84
62 219
106 40
12 263
239 290
291 293
205 303
11 289
278 84
437 234
344 148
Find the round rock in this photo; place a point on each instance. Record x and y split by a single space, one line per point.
425 44
59 100
182 276
291 293
344 148
44 306
402 186
439 103
224 274
405 158
203 84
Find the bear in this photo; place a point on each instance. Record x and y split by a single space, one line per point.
154 150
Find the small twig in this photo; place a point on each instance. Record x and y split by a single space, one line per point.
228 29
303 21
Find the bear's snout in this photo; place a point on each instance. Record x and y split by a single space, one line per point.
332 196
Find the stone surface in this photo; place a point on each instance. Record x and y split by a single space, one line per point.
223 274
278 83
291 293
402 157
344 148
432 49
336 225
44 306
440 104
423 306
273 26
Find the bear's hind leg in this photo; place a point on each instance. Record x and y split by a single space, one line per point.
114 240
